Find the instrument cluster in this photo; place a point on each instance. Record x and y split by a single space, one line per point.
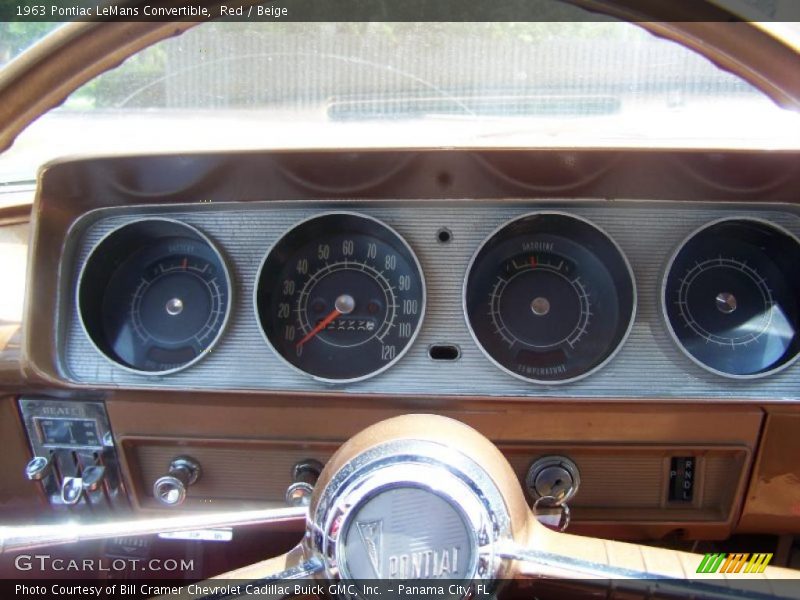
547 296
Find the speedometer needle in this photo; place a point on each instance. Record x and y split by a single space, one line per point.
334 314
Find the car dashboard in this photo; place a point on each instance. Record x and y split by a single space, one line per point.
316 293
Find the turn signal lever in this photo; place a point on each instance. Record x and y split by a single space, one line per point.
171 489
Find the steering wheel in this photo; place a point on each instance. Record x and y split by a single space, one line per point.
425 497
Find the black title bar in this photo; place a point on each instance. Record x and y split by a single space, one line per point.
400 10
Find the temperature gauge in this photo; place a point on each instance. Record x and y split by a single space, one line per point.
549 298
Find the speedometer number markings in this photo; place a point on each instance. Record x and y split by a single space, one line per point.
350 298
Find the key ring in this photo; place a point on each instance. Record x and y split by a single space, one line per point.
563 522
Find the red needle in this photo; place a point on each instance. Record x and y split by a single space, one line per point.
322 325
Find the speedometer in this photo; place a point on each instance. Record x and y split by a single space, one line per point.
549 298
340 297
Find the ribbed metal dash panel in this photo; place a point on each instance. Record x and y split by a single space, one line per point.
648 366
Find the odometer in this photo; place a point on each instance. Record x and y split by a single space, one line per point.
340 297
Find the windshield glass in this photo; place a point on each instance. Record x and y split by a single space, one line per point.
16 37
331 85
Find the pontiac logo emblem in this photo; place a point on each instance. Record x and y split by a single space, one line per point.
371 533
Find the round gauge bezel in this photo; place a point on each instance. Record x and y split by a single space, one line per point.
663 293
625 262
414 334
142 222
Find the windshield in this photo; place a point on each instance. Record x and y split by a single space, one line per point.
16 37
233 85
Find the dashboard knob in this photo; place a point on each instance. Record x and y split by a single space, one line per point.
299 494
38 468
171 489
305 475
93 478
71 490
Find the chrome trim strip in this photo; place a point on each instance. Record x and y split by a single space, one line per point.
24 537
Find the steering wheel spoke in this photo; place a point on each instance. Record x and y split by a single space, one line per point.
293 565
643 570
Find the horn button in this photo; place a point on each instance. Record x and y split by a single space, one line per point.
408 533
409 509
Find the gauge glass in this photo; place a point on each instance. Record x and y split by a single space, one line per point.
340 297
549 297
154 296
732 298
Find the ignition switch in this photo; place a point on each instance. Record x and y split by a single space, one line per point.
552 481
554 477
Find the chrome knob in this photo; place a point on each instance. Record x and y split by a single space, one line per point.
38 468
305 475
170 489
93 478
71 490
299 494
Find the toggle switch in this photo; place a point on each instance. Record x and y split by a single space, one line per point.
93 478
38 468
